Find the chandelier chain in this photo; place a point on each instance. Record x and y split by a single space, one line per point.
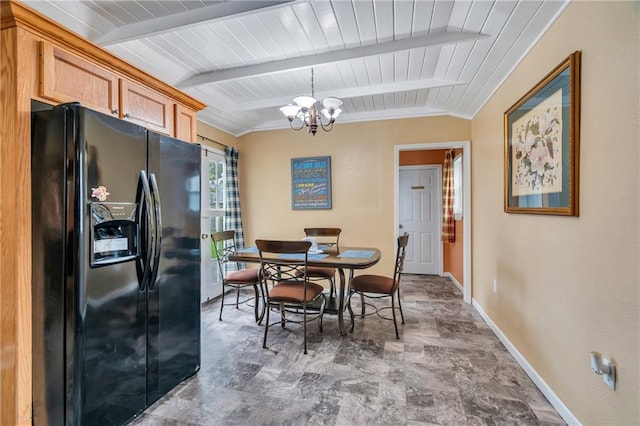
313 95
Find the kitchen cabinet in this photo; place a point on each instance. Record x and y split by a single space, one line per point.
146 107
186 123
65 77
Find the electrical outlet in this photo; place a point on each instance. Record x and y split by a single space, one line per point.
610 379
495 286
605 368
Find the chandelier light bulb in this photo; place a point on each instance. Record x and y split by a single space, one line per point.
331 103
305 102
330 113
290 111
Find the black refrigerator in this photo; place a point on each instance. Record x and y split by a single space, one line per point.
116 266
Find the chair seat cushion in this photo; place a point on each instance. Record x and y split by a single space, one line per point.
243 276
373 284
293 291
318 272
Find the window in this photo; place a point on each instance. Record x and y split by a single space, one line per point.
216 189
457 187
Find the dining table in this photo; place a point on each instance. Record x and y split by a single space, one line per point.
342 259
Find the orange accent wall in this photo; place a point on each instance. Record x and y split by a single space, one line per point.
452 253
420 157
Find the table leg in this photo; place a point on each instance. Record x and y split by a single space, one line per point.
341 290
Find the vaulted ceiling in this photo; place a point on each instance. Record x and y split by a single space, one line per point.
384 58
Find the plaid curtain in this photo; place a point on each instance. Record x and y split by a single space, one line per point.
232 216
448 224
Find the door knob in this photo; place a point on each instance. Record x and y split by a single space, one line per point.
400 226
204 236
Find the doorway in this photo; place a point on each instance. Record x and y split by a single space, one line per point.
466 208
211 219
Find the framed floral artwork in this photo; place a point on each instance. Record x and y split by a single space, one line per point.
541 145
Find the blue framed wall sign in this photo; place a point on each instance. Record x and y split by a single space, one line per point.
311 183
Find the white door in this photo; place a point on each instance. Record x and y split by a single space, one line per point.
211 220
419 213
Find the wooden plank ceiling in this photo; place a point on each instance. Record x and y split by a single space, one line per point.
384 58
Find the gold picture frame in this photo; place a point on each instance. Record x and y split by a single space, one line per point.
542 145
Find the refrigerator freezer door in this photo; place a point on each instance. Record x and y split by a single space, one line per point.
89 322
174 296
110 316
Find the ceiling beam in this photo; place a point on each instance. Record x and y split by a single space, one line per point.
431 40
351 92
184 20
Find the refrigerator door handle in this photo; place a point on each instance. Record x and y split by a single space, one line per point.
158 230
144 199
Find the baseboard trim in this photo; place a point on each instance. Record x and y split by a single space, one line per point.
452 278
562 409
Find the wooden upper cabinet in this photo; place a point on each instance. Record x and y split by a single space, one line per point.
68 77
146 107
186 124
65 77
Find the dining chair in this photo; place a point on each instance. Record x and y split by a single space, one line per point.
239 278
286 284
379 286
329 237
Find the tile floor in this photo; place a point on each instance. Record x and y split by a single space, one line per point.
448 368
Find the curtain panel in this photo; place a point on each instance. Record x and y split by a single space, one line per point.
232 214
448 223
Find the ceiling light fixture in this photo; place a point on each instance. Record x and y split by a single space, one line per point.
306 110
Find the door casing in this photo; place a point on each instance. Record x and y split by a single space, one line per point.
467 288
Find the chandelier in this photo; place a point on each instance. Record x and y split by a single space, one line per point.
305 112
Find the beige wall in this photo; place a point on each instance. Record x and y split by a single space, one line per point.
213 134
362 166
568 286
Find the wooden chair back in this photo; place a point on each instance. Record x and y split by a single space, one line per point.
280 268
400 255
224 244
325 236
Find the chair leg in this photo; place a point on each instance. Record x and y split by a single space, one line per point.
283 319
322 306
256 302
237 297
400 306
332 287
393 311
304 326
351 314
221 303
362 303
264 303
266 329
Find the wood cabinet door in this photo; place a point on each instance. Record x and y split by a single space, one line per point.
146 107
186 124
65 77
